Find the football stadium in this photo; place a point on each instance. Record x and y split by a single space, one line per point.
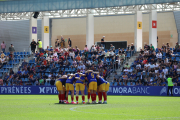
90 59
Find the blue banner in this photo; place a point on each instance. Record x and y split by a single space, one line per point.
113 90
142 90
31 90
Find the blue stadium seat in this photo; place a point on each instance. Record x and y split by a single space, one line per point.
23 79
18 53
128 55
66 70
115 84
28 53
111 83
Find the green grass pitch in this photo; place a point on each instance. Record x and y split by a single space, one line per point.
22 107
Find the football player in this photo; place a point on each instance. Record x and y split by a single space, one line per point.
59 85
69 86
91 76
80 87
101 89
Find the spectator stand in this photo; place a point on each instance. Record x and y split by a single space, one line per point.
151 69
46 73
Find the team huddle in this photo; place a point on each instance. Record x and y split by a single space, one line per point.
92 80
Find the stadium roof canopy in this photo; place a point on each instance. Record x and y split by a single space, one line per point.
14 6
23 9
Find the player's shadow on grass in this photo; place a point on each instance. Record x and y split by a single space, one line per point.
74 104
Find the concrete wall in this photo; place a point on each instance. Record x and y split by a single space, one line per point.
115 28
16 33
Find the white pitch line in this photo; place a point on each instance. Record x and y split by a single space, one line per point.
73 109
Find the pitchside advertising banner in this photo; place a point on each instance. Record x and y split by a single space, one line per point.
120 90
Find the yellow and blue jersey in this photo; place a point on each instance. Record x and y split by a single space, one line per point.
70 80
101 81
81 77
91 77
63 81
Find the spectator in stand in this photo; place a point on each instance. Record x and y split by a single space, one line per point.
141 77
24 64
11 50
42 68
33 46
1 64
77 50
85 48
52 81
69 42
66 54
107 54
3 46
3 60
102 54
128 47
138 67
11 72
62 43
133 76
93 50
116 77
101 48
71 54
51 49
55 54
111 54
88 63
126 66
53 68
98 48
159 56
122 57
176 47
26 73
2 54
102 41
74 63
167 45
86 53
132 47
112 48
36 54
152 47
57 43
39 43
66 63
146 47
78 58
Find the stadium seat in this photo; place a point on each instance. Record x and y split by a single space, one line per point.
115 84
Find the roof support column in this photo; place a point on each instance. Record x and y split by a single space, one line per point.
138 31
45 32
153 28
89 30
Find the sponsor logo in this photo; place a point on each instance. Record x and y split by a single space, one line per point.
15 90
47 90
129 90
163 90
